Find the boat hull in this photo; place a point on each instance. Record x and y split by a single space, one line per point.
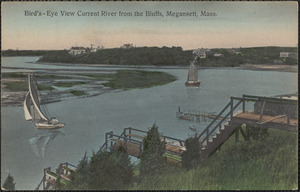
192 83
49 126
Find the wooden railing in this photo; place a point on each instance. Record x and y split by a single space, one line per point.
209 132
241 100
126 137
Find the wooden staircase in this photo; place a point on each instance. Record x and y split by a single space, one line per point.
216 133
214 136
215 141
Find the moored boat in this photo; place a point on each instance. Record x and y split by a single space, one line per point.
192 79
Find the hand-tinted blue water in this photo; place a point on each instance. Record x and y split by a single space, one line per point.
26 151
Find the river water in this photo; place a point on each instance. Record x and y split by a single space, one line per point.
25 151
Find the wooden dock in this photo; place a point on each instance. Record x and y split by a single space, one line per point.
194 116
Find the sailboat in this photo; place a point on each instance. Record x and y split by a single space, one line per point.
192 79
32 108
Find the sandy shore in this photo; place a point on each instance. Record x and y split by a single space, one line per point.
265 67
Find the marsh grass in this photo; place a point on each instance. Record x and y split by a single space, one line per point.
52 77
77 92
13 75
16 85
128 79
23 86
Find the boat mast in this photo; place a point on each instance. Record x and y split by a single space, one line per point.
34 96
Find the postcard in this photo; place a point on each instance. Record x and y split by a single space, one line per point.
149 95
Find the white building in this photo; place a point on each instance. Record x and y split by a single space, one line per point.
201 53
284 54
218 55
93 50
77 50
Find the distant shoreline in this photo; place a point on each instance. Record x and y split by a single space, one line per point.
266 67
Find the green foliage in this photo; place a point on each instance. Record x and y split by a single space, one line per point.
129 79
16 85
118 56
51 77
23 86
13 75
13 53
105 171
110 171
191 157
257 133
77 93
152 160
9 183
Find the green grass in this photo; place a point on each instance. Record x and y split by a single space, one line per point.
13 75
128 79
16 85
69 83
269 164
77 93
52 77
23 86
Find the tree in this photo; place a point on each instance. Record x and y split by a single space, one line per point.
105 171
110 170
9 183
191 157
152 160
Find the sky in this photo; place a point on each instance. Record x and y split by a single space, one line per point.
235 24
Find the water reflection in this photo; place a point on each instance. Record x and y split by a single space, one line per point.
42 139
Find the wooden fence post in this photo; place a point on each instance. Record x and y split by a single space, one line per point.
237 134
244 104
231 107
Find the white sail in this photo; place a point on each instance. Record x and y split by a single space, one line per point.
33 111
27 107
192 73
35 100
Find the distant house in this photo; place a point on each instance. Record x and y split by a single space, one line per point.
201 53
218 55
127 46
283 54
288 54
93 50
77 50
